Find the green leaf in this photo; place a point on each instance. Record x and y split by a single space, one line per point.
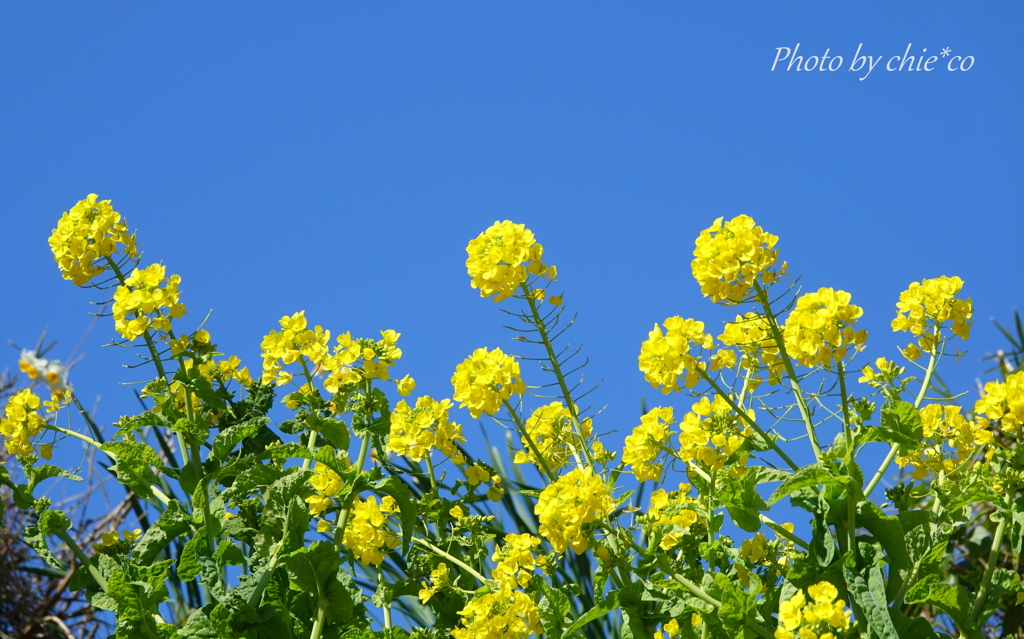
52 521
40 473
188 563
901 424
867 586
134 460
812 475
128 424
334 431
228 438
174 521
950 599
37 539
603 607
554 611
282 496
741 499
310 569
407 509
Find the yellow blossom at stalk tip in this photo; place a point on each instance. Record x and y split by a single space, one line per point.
440 578
405 386
502 258
86 236
949 440
1003 403
671 514
21 422
506 613
415 431
729 257
820 330
928 306
552 435
667 356
327 483
147 299
486 379
516 561
646 442
711 433
800 618
564 507
367 534
753 335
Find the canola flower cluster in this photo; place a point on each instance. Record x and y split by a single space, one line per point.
486 379
820 330
644 445
508 612
550 429
710 433
21 422
415 431
1003 403
504 257
675 510
942 426
667 356
729 257
86 235
752 334
327 484
147 299
367 534
927 306
818 618
577 498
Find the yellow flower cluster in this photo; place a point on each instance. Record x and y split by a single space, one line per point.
819 331
925 306
87 234
327 484
506 613
710 433
294 342
415 431
440 576
675 509
1003 402
516 561
887 372
225 370
944 425
752 334
815 619
550 429
486 379
367 534
113 543
564 507
729 257
21 422
665 357
644 445
145 295
503 257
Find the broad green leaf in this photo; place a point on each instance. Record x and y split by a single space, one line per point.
310 569
134 460
554 612
188 563
228 438
40 473
950 599
741 499
901 424
174 521
867 586
603 607
812 475
334 431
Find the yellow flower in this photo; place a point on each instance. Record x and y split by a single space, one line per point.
417 431
800 618
665 357
1003 402
752 334
486 379
21 422
405 386
367 534
503 257
820 332
502 614
564 507
457 512
327 483
550 429
476 475
86 235
943 427
555 300
926 307
644 445
730 257
147 300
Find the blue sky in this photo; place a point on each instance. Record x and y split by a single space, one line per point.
337 158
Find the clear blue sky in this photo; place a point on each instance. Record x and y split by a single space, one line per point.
336 157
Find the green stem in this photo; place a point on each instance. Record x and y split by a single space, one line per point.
746 418
933 360
851 499
990 567
787 362
782 532
339 533
66 538
556 368
529 441
457 562
312 434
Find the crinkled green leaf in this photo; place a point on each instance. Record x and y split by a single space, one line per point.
950 599
134 460
805 477
867 586
173 522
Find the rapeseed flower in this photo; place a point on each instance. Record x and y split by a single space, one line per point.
815 619
486 379
926 307
646 442
367 534
730 257
550 429
21 422
567 505
86 235
944 426
667 356
147 299
503 257
1003 402
820 330
415 431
